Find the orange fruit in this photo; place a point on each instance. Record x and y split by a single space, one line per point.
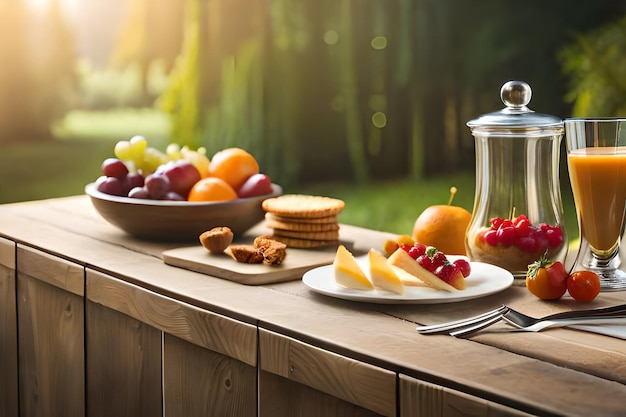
211 189
444 227
233 165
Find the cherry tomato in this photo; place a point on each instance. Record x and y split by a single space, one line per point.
546 279
583 285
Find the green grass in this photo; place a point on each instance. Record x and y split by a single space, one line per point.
393 206
62 167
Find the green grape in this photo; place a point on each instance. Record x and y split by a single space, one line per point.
139 143
152 159
173 152
122 150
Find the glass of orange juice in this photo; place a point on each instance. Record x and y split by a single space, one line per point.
596 159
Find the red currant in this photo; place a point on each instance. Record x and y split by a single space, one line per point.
463 265
506 235
405 247
554 236
522 227
491 238
527 244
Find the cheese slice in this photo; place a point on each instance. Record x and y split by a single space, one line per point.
403 260
382 275
348 273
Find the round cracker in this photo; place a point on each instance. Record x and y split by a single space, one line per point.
302 205
300 226
305 243
332 219
331 235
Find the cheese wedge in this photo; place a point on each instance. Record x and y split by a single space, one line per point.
382 275
403 260
348 273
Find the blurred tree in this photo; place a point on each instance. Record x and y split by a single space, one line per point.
326 90
596 67
152 33
17 82
37 73
57 76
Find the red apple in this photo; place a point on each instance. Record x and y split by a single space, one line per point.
256 184
182 174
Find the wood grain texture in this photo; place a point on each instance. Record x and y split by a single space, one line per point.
356 382
199 382
51 349
8 330
209 330
298 261
7 253
423 399
51 269
124 365
544 371
281 397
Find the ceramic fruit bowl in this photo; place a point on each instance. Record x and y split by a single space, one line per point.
160 220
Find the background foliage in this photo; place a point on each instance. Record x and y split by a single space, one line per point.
319 91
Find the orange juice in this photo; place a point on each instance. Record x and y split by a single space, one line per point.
598 178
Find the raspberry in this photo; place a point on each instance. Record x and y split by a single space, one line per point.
439 259
426 262
444 272
417 250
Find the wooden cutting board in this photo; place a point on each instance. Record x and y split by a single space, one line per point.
297 262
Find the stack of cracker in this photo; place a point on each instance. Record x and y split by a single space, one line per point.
303 221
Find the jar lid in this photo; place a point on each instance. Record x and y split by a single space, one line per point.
516 118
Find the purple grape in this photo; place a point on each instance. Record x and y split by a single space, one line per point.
113 167
171 195
157 185
112 186
131 181
139 192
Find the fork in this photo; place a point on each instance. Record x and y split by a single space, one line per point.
544 324
514 318
441 328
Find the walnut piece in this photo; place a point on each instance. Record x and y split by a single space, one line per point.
217 239
274 252
246 254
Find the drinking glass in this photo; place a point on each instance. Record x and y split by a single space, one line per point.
596 158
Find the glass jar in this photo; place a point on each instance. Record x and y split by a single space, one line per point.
518 212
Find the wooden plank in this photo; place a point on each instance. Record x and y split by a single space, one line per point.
51 350
209 330
7 253
281 397
423 399
51 269
298 261
8 330
201 382
124 365
356 382
493 366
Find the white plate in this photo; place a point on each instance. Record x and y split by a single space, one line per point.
485 279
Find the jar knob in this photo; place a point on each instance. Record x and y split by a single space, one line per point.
516 94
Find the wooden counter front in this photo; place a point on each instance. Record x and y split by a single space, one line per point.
175 328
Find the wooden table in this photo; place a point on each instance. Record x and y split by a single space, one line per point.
92 322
